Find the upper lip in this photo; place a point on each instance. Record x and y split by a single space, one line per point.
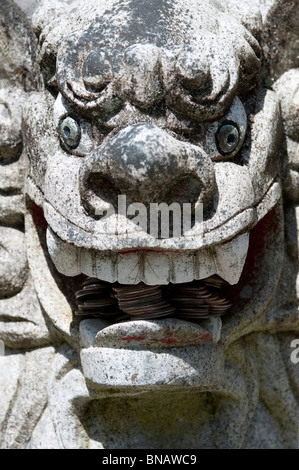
85 232
84 238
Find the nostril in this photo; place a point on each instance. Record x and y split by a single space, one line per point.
185 189
98 194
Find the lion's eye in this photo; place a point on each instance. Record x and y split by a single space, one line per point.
227 138
70 132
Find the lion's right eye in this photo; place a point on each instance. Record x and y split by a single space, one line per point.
70 133
227 138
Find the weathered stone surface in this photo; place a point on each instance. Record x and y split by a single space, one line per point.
186 103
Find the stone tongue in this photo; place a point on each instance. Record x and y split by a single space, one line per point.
162 334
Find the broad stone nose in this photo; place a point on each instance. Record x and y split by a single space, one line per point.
147 165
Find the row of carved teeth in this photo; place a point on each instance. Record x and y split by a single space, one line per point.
151 267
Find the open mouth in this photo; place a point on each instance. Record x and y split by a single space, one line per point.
207 305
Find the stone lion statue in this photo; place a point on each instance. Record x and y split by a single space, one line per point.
114 336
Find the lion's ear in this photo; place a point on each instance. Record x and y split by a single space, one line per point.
21 320
281 50
19 74
17 47
287 89
281 37
49 31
